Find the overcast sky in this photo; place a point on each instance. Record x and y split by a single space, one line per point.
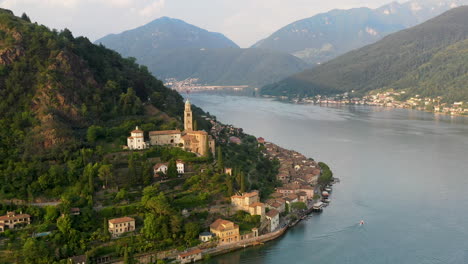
243 21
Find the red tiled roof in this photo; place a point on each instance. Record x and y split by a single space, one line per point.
221 224
256 204
190 253
272 213
157 166
13 216
121 220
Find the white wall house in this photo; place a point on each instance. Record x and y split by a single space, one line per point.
136 140
273 218
160 167
180 167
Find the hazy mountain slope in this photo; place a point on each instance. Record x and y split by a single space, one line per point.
161 35
325 36
384 63
225 66
172 48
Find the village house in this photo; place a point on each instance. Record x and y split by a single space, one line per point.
165 138
13 220
190 256
118 226
226 231
292 198
75 211
273 218
160 167
205 236
228 171
180 167
250 203
136 140
277 204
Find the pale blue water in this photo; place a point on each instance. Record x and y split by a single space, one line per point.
404 172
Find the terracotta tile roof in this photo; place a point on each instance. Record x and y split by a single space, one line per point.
256 204
200 132
121 220
272 213
165 132
13 216
157 166
137 131
221 224
190 253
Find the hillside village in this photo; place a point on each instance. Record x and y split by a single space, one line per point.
240 212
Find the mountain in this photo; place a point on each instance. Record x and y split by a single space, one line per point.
172 48
164 34
225 66
429 59
325 36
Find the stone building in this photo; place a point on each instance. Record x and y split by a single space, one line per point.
190 256
118 226
250 203
273 218
198 142
226 231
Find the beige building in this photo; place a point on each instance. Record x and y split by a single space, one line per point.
198 142
226 231
121 225
136 140
12 220
250 203
167 137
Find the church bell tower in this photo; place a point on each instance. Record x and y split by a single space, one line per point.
188 118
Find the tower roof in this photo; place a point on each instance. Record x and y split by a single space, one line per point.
187 102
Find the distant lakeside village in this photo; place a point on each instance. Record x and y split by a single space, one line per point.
386 99
300 194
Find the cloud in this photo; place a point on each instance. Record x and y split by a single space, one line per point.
152 8
51 3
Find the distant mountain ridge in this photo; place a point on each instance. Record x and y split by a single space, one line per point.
429 59
164 34
172 48
325 36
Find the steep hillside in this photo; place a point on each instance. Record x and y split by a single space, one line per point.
325 36
53 86
164 34
391 62
225 66
172 48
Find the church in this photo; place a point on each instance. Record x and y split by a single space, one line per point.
198 142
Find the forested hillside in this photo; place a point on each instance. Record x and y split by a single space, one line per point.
427 59
53 86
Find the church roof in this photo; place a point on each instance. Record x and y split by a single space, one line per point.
165 132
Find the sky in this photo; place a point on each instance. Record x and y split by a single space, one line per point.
243 21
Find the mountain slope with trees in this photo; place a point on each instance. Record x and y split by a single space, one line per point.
391 62
325 36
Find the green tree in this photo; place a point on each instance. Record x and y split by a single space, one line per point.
242 182
151 227
35 252
64 224
51 214
105 174
191 231
298 206
220 161
25 17
172 169
230 188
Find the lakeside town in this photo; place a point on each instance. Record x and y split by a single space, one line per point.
246 218
192 85
386 99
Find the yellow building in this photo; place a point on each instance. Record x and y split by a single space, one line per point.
226 231
121 225
198 142
250 203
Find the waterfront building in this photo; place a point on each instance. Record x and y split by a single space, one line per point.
118 226
273 219
190 256
226 231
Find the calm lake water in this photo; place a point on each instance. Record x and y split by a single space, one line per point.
404 172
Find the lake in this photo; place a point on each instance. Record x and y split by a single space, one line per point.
404 172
